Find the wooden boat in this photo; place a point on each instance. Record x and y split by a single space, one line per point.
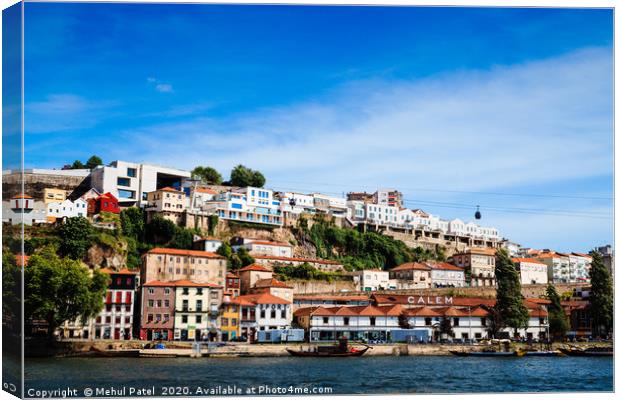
342 349
488 353
588 352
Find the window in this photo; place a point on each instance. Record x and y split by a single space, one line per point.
214 295
184 319
428 321
166 317
126 194
273 314
326 320
262 313
185 305
185 290
224 321
346 320
198 305
373 321
123 182
199 290
483 321
151 303
167 290
234 322
455 321
166 303
131 172
283 313
159 303
198 319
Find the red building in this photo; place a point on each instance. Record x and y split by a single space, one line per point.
157 321
233 284
104 203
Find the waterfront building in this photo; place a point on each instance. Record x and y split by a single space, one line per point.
130 182
66 209
164 264
479 263
22 208
330 300
158 306
230 318
167 202
107 202
370 280
256 247
320 264
412 275
233 284
54 195
208 243
115 320
274 287
249 274
531 271
263 312
446 275
196 311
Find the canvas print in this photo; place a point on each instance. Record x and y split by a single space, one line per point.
229 200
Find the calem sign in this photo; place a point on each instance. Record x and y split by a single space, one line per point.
430 300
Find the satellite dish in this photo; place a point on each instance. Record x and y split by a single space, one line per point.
477 215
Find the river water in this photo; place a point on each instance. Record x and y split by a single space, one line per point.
429 374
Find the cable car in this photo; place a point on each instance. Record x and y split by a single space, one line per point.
477 215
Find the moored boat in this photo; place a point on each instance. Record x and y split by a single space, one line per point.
489 353
543 353
588 352
342 349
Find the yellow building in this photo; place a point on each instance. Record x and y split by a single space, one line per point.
51 195
230 318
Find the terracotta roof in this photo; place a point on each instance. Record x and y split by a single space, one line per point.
411 265
206 190
188 283
331 297
527 260
241 301
308 260
582 255
22 196
123 271
270 243
305 311
254 267
479 250
180 252
273 282
263 298
537 312
231 275
422 312
453 312
159 284
169 189
444 266
478 312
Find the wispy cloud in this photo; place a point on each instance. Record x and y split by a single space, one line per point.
160 86
537 122
63 112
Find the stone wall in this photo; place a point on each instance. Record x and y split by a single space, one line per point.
308 287
35 183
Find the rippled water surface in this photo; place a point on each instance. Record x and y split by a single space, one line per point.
343 376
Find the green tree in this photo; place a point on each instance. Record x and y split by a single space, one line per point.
76 237
77 164
243 176
93 161
60 289
160 230
244 256
207 174
132 222
601 296
212 221
558 323
182 239
11 289
509 300
225 250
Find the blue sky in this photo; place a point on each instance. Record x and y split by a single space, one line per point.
455 107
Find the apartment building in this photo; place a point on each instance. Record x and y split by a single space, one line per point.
446 275
531 271
257 247
250 204
479 263
196 313
115 320
412 275
169 203
163 264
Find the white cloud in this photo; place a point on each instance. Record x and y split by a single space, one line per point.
63 112
163 87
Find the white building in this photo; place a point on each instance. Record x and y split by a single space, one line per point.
208 243
388 197
335 206
24 209
558 270
297 203
249 204
263 312
115 320
446 275
196 310
381 214
130 182
579 266
258 247
66 209
167 202
370 280
531 271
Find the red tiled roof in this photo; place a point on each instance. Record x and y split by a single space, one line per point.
22 196
273 282
263 298
107 195
452 312
231 275
444 266
331 297
479 250
181 252
583 255
308 260
206 190
188 283
254 267
411 265
422 312
169 189
527 260
159 284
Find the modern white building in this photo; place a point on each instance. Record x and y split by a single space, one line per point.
257 247
558 270
381 214
66 209
579 267
24 209
208 243
248 204
297 203
370 280
531 271
130 182
388 197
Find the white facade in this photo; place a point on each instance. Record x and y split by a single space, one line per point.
266 248
249 204
196 310
24 210
531 271
297 203
67 209
381 214
130 182
446 275
370 280
579 267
